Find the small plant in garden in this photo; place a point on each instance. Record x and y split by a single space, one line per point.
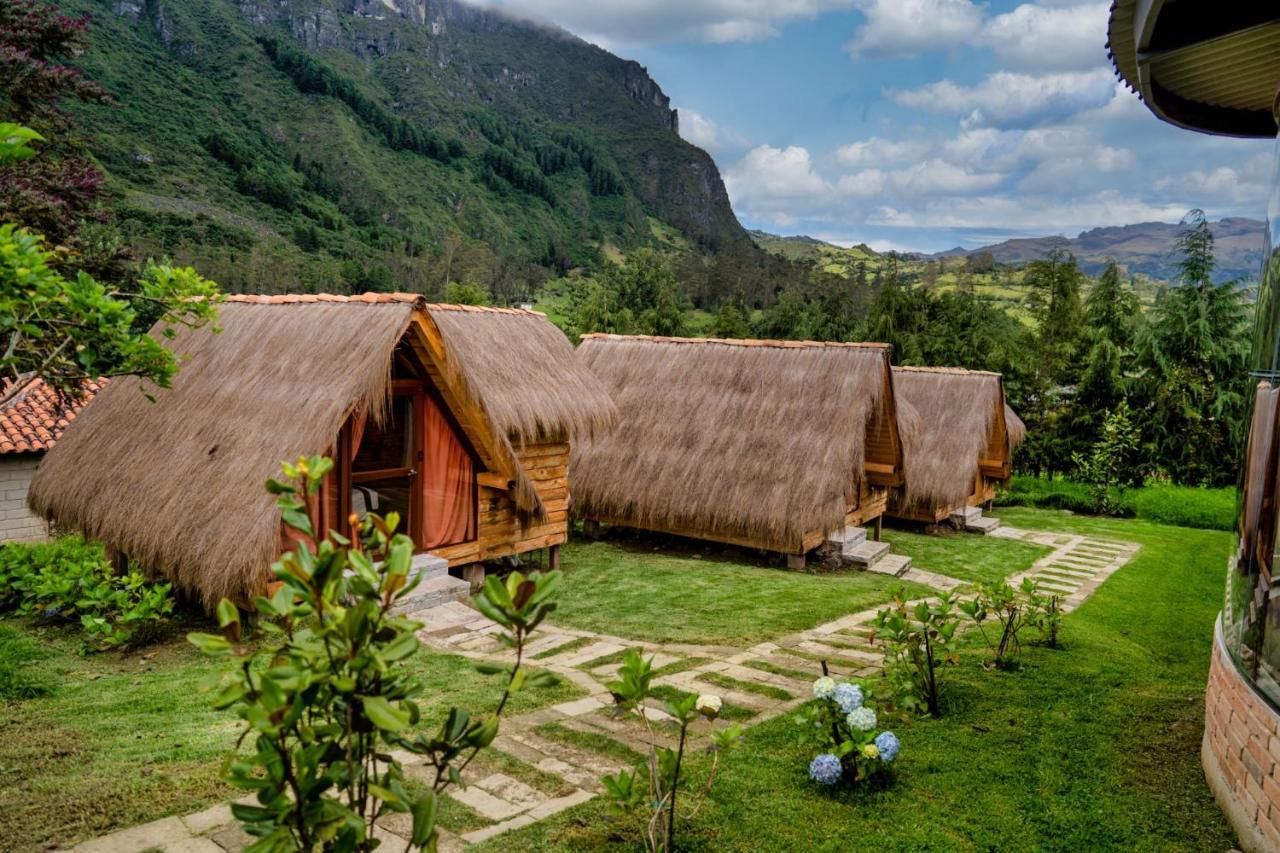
1108 464
1046 612
625 791
71 581
1011 612
855 750
917 639
323 699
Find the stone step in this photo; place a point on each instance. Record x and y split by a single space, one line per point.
867 554
891 564
966 516
433 592
982 524
847 538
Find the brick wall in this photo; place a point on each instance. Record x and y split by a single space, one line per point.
16 521
1241 753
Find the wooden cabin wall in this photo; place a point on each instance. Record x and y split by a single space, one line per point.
499 531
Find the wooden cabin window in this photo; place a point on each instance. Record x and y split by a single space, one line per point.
417 463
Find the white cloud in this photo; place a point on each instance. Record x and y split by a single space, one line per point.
1038 37
769 173
631 22
865 184
911 27
1246 183
707 134
1030 213
1008 98
877 151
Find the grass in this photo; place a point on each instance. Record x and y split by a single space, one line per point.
1095 746
964 556
1183 506
601 744
766 666
728 710
124 739
729 683
571 646
688 593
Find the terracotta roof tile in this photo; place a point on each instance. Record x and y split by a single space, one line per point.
35 419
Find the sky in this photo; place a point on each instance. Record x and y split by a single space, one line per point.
918 125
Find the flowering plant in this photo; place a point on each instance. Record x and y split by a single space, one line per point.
845 723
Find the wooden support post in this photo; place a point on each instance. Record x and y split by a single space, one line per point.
553 558
591 529
990 505
795 562
473 573
878 528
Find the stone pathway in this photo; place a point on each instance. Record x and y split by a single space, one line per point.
576 743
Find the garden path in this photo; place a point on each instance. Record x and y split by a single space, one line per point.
579 741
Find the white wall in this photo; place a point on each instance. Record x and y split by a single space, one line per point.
16 521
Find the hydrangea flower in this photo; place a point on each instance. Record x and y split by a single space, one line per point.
871 751
825 769
824 688
887 743
848 697
708 705
863 719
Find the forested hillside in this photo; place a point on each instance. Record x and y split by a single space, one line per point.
378 144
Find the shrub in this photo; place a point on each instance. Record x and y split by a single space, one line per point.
1186 506
1108 463
71 580
917 638
845 723
1001 603
626 793
324 700
1060 493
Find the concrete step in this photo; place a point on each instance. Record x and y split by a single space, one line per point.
896 565
966 516
433 592
846 538
982 524
867 554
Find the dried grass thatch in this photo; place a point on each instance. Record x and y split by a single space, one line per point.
525 371
755 441
957 411
178 484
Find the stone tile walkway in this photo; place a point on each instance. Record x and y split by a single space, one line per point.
765 680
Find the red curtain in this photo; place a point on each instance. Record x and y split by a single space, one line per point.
447 479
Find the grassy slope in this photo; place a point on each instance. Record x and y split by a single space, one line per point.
123 740
695 593
1092 747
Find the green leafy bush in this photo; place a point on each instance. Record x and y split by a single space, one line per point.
1186 506
325 700
71 580
1010 611
656 801
917 639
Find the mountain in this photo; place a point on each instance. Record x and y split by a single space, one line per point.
1147 248
349 144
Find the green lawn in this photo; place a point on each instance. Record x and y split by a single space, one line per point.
680 594
665 589
125 739
964 555
1094 747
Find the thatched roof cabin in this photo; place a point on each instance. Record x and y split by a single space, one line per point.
766 444
964 445
423 405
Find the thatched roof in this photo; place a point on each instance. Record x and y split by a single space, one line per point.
760 441
178 484
958 411
524 368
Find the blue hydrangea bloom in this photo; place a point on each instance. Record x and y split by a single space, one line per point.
848 697
825 769
887 743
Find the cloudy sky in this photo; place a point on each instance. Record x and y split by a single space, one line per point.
918 124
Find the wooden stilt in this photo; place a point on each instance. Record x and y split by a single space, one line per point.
879 526
591 529
795 562
553 558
